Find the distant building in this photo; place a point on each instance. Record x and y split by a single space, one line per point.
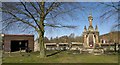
76 45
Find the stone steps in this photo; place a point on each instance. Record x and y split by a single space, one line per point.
93 51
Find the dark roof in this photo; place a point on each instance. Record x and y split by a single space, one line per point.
18 35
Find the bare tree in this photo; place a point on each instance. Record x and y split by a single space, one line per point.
35 16
111 11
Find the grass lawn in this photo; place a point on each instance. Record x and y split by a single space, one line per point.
62 57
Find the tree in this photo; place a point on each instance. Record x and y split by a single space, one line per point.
35 15
111 11
71 37
46 40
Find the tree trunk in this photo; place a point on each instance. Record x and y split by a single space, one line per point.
41 31
41 38
41 43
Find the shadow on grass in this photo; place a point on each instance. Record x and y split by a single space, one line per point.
54 53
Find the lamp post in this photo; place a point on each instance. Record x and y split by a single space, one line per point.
1 42
1 47
20 46
115 46
2 36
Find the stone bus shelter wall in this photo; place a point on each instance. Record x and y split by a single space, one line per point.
8 38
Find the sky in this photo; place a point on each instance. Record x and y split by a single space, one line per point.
0 18
62 0
80 20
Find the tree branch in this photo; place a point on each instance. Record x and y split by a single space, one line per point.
52 6
111 5
31 15
23 21
35 8
39 5
63 12
60 26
